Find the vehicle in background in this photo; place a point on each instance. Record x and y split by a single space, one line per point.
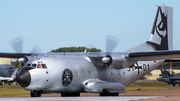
7 74
166 77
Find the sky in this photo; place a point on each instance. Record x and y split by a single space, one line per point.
51 24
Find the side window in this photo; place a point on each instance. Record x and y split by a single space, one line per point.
44 66
34 65
39 66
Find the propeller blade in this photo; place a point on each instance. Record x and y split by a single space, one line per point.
17 44
36 49
111 43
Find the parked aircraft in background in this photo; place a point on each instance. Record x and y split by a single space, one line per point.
7 74
166 77
107 73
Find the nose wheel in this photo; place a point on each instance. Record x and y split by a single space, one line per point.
35 94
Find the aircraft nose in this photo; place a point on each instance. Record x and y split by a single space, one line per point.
24 77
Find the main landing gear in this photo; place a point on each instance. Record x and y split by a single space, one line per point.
35 94
76 94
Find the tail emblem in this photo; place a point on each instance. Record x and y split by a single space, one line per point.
162 31
161 25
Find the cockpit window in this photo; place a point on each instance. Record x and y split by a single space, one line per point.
39 66
34 65
28 65
44 66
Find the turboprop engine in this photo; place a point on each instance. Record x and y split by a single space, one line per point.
116 62
22 60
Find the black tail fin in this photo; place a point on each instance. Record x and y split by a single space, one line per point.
162 32
164 72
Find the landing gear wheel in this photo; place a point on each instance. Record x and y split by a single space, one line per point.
76 94
109 94
35 94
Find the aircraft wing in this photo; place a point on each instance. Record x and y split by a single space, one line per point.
175 78
14 55
154 55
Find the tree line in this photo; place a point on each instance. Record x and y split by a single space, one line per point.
75 49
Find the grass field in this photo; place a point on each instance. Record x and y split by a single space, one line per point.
12 91
17 90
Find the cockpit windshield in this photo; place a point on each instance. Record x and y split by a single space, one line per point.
28 65
37 65
44 66
34 65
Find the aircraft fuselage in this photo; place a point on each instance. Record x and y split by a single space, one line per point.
67 73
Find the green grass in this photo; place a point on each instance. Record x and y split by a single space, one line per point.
142 88
12 91
149 84
146 86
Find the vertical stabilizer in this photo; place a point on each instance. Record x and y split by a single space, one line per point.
162 32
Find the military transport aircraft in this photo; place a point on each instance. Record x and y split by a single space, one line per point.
170 79
107 73
7 74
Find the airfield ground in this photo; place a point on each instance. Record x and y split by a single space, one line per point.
139 88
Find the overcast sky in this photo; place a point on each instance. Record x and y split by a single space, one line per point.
51 24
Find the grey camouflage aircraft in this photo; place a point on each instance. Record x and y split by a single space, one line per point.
166 77
106 73
7 74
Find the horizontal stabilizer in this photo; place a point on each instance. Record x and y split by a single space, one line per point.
154 55
172 60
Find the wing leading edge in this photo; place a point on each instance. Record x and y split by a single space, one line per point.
14 55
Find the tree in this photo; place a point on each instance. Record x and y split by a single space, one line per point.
75 49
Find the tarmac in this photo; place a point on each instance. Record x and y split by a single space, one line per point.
119 98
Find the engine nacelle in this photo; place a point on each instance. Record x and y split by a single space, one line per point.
115 61
22 60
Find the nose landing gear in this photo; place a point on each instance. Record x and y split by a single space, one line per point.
35 94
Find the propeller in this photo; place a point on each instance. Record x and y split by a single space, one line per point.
111 44
17 45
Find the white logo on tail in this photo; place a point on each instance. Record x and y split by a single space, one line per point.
159 30
161 24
